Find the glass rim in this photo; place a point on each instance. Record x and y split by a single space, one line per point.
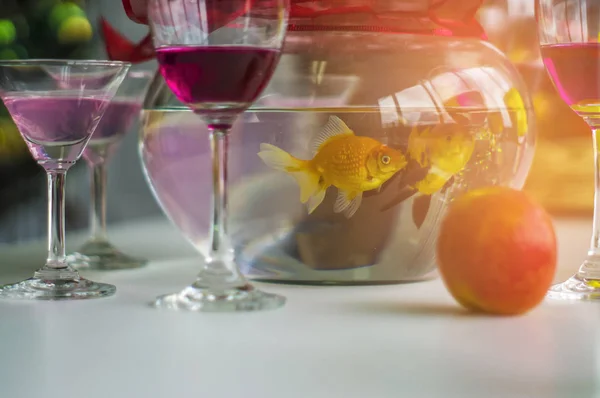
140 73
73 62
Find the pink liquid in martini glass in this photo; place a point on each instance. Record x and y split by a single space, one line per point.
118 119
217 78
55 128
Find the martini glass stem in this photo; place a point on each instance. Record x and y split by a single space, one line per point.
220 270
56 219
98 201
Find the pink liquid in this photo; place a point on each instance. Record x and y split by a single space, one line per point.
49 120
575 71
204 77
118 119
55 128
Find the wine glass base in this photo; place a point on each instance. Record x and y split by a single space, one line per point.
100 255
576 288
61 289
243 298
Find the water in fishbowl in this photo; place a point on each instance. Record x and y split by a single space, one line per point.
343 195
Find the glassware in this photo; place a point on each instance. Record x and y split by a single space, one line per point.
122 113
384 85
217 57
569 32
563 188
56 105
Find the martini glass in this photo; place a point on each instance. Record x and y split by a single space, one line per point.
56 105
569 32
217 56
122 113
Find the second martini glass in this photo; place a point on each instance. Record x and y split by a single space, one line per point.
122 113
56 105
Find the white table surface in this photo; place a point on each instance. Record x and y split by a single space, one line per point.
408 340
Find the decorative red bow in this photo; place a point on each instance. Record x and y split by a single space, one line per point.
434 17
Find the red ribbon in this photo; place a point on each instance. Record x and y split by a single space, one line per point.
435 17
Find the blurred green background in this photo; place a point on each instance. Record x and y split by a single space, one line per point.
39 29
63 29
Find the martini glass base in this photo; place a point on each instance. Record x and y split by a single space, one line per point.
242 298
576 288
52 284
101 255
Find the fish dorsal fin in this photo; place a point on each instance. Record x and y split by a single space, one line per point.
335 127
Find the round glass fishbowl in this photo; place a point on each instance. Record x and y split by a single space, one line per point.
342 171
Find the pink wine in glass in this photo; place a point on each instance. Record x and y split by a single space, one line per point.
217 77
55 128
116 122
575 70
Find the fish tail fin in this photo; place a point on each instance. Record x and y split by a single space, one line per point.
308 180
279 159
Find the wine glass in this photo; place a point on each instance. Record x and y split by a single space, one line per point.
569 37
217 56
56 105
122 113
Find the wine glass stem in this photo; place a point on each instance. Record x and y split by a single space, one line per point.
590 269
56 219
98 202
220 270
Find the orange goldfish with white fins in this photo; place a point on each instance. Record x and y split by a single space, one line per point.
351 163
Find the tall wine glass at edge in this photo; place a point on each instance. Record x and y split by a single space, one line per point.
569 33
217 56
56 105
119 118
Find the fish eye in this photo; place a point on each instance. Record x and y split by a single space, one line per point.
385 159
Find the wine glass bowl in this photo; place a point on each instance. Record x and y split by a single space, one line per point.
56 106
569 33
217 56
120 116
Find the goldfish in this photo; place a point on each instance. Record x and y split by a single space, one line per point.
514 101
518 113
353 164
445 149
